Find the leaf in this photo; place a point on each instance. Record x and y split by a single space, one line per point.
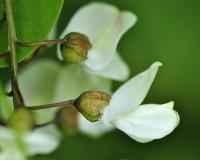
5 105
34 20
1 11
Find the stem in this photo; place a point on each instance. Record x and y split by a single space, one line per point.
17 98
9 94
40 43
43 124
53 105
30 60
11 36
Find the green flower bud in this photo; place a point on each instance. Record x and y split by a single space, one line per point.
22 120
66 119
75 48
91 104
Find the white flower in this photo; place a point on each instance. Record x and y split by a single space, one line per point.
93 129
46 82
143 123
104 25
18 147
72 82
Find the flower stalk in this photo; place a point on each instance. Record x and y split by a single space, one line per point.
39 43
52 105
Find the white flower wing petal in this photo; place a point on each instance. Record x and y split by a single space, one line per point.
131 94
12 154
73 81
38 81
42 141
37 84
104 25
148 122
116 70
93 129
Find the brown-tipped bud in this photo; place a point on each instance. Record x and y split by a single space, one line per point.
75 48
66 119
91 104
22 120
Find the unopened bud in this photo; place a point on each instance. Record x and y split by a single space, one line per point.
91 104
22 120
75 48
66 119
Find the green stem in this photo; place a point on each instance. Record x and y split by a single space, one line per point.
17 98
53 105
43 124
40 43
26 63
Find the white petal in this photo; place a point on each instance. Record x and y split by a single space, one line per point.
131 94
10 145
73 81
41 141
93 129
12 154
116 70
148 122
104 25
6 136
37 84
141 140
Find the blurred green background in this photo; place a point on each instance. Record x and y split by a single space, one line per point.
166 31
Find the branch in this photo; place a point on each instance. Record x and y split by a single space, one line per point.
17 97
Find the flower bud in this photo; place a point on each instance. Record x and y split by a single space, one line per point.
22 120
91 104
66 119
75 48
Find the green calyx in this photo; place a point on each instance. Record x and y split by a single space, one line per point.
91 104
22 120
75 48
66 119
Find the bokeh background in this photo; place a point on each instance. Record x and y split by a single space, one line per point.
166 31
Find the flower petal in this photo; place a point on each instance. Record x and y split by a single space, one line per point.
6 136
148 122
93 129
116 70
73 81
131 94
37 84
12 154
42 141
104 25
38 81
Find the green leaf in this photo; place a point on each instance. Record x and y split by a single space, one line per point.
34 20
5 105
1 11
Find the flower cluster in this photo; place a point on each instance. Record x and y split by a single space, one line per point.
93 34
